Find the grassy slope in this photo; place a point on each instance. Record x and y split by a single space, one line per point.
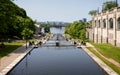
9 47
109 51
115 68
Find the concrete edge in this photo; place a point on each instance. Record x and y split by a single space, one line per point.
15 62
105 67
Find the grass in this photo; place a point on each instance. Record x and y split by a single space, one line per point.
109 51
9 47
115 68
33 40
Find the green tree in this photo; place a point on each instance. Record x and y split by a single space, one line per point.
13 20
93 12
83 35
46 28
109 5
76 30
27 33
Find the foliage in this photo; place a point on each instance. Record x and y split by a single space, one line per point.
76 30
27 33
13 20
109 5
106 6
46 28
93 12
89 24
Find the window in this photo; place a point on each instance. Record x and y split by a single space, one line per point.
99 23
111 23
104 23
119 23
95 23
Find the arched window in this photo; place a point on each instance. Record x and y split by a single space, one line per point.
99 23
104 23
119 23
95 23
111 23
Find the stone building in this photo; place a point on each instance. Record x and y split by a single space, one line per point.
37 28
106 27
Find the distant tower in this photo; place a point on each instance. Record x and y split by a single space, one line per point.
84 20
116 3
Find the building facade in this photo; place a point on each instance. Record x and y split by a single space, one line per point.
106 27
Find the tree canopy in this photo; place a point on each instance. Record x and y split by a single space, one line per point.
27 33
106 6
76 30
109 5
13 20
47 28
93 12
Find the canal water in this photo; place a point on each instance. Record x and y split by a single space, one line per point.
51 60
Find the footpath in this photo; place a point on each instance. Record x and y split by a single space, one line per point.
9 61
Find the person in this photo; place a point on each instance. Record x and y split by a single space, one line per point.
84 43
66 39
30 43
40 43
33 43
74 43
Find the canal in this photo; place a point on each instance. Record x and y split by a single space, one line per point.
51 60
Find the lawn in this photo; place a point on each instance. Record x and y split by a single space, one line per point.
115 68
109 51
9 47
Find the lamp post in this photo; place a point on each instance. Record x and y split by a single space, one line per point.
26 43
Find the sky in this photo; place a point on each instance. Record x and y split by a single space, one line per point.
60 10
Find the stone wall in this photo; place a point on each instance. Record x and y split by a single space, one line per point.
106 27
89 33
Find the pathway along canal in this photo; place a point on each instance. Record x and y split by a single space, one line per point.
52 60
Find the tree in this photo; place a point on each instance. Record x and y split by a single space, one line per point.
83 35
47 28
93 12
109 5
27 33
76 30
13 20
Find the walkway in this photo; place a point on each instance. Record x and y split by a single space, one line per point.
9 61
